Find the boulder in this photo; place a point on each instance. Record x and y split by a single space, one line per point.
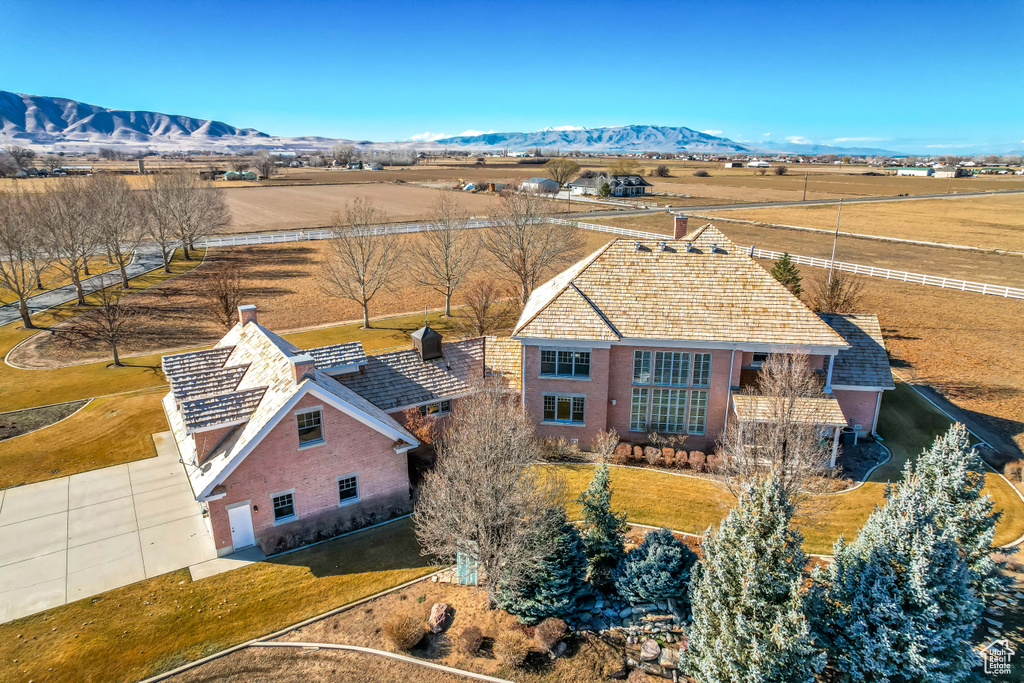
599 624
638 453
558 650
584 616
622 452
625 612
669 658
650 651
668 456
438 617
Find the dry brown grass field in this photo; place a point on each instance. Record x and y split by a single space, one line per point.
999 269
282 280
995 222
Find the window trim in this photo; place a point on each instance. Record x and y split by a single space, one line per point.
642 353
424 408
323 432
337 487
689 411
646 404
671 355
693 371
681 421
556 375
273 509
563 423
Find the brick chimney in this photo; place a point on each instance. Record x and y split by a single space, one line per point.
303 366
247 313
679 230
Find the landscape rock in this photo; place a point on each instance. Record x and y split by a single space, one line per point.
438 617
638 452
668 658
558 650
652 455
623 451
650 651
599 624
625 612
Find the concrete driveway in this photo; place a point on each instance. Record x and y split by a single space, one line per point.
70 538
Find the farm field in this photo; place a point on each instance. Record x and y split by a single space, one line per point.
988 222
281 279
975 266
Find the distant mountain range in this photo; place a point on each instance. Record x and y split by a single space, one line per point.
60 124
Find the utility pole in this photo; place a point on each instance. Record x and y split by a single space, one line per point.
805 187
835 240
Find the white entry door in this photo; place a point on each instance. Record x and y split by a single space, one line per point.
241 527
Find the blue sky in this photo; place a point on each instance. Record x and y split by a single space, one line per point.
898 75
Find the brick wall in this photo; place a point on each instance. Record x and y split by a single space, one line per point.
858 407
277 464
595 389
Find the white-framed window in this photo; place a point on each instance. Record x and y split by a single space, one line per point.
668 410
641 367
437 408
284 505
564 408
564 363
758 360
671 369
311 430
638 410
348 489
701 370
698 411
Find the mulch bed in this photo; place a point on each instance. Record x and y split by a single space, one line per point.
25 421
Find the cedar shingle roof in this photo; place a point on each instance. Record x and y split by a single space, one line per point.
812 410
400 379
718 295
207 382
194 361
337 355
504 357
865 363
223 409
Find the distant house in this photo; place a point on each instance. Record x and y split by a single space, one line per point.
373 167
922 171
540 186
758 164
618 185
951 172
243 175
734 164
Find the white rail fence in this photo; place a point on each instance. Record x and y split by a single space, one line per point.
856 268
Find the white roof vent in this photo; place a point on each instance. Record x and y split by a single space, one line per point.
714 248
636 245
662 246
689 246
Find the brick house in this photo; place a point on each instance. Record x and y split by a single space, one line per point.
649 335
278 441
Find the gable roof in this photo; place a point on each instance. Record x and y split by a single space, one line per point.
865 363
638 289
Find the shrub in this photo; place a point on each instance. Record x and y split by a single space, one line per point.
548 633
701 174
559 449
621 454
662 171
780 170
1015 471
657 569
403 631
697 460
652 454
469 640
511 647
605 443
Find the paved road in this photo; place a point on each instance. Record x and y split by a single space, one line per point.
70 538
809 202
147 257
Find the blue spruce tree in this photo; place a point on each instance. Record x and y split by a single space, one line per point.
604 537
556 579
657 569
749 609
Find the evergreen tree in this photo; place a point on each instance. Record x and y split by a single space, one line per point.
749 621
787 274
555 582
657 569
951 476
604 539
896 605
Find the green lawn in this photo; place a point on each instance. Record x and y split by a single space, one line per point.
908 423
158 624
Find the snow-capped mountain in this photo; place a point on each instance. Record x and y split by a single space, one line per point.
607 139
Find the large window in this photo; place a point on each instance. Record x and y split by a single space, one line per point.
701 370
668 410
698 411
638 410
348 490
565 409
641 367
558 363
671 369
436 408
310 429
284 506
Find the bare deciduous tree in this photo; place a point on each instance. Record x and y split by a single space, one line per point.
20 155
112 322
344 154
447 252
786 439
120 219
264 164
526 245
224 291
70 230
183 209
241 164
362 256
561 170
22 254
841 293
486 498
487 309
